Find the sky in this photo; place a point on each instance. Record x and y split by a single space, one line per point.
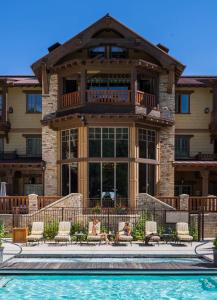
187 27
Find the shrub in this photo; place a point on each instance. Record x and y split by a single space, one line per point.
215 243
51 230
193 230
77 227
139 228
2 233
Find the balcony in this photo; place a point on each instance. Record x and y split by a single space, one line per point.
113 97
12 156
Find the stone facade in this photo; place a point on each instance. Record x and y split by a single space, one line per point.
49 138
166 139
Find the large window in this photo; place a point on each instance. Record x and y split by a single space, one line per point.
108 184
147 143
108 142
97 51
182 146
69 179
147 178
118 52
33 103
33 146
182 103
70 143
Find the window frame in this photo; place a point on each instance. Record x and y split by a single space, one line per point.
188 137
33 93
35 136
70 133
147 139
178 102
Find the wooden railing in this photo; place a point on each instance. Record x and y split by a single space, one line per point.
46 200
206 204
20 204
145 99
108 96
70 99
172 201
9 204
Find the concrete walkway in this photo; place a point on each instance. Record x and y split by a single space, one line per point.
137 248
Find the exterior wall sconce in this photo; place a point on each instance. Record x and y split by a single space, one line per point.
10 110
206 110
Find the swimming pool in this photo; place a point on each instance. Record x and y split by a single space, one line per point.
149 260
108 287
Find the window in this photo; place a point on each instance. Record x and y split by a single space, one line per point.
69 178
147 143
147 178
97 51
70 143
34 103
182 146
183 103
33 146
118 52
108 142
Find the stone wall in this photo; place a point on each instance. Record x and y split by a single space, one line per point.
167 140
148 202
49 138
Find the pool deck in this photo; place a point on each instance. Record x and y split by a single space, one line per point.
137 249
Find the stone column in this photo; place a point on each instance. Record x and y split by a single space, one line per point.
33 203
205 182
184 202
49 137
166 139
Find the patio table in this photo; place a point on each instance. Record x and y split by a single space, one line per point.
79 237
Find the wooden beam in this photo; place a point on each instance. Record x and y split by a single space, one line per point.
45 86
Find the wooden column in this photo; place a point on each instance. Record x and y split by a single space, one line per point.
133 169
82 165
83 85
133 85
205 182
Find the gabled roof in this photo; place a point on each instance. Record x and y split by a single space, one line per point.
83 38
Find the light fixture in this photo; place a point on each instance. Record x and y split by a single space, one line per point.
206 110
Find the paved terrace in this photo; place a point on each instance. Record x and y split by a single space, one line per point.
137 248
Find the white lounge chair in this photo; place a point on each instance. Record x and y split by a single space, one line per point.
63 234
91 237
182 232
37 233
151 234
122 237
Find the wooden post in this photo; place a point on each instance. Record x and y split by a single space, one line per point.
83 85
205 182
133 85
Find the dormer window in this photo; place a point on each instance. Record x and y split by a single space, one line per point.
118 52
98 51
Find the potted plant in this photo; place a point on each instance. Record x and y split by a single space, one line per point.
2 233
215 251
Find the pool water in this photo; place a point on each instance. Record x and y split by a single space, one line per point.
149 260
108 287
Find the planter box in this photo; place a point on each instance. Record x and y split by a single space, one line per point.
19 235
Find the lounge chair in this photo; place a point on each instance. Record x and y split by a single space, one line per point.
36 233
90 236
182 232
151 234
122 237
63 234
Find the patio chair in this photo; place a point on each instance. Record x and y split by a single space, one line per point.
63 234
151 234
37 233
94 238
122 237
182 233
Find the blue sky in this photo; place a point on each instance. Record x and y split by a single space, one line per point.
187 27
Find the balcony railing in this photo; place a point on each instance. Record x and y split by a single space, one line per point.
12 155
119 97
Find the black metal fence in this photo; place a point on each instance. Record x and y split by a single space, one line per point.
110 218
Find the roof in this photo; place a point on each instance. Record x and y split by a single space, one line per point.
20 80
82 39
196 81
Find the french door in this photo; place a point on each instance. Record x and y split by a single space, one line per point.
108 184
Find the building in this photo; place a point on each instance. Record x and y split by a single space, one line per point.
108 123
20 135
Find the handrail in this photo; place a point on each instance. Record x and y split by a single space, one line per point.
108 96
